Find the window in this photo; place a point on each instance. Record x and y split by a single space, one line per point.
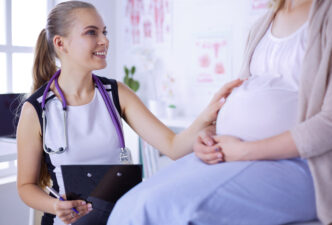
2 22
21 75
26 26
20 25
3 71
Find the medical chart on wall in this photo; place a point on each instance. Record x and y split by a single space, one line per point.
145 40
212 63
147 20
211 68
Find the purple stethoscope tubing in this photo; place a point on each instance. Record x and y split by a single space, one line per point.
110 109
106 99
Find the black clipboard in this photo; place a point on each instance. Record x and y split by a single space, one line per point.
106 182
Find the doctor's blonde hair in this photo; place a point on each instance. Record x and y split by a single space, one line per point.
59 22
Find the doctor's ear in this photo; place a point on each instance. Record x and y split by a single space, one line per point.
58 43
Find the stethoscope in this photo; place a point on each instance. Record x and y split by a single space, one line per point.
125 156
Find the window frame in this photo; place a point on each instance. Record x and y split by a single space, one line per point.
9 49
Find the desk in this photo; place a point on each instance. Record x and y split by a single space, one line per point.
8 150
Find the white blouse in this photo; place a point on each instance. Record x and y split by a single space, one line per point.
266 104
92 137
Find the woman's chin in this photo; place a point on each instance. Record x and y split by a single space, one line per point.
100 67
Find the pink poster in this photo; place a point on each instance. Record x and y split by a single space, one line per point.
211 60
147 20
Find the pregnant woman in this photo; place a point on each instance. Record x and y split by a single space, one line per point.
248 192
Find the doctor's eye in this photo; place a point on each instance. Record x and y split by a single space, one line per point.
91 32
105 32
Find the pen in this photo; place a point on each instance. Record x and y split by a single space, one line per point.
58 196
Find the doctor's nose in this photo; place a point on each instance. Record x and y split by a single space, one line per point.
103 40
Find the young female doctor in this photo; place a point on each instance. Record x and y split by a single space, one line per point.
67 119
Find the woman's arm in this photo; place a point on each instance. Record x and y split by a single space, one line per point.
160 136
213 149
29 148
281 146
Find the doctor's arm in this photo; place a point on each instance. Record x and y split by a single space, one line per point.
146 125
29 148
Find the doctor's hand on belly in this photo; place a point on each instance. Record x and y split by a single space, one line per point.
206 150
210 113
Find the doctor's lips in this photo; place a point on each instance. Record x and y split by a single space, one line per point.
100 54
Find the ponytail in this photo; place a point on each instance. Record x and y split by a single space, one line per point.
44 63
43 69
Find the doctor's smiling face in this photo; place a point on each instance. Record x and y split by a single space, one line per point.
86 44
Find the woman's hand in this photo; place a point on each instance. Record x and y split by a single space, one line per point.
206 148
232 148
213 149
65 212
210 113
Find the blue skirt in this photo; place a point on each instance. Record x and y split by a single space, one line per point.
191 192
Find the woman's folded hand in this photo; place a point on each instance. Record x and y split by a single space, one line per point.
206 148
232 148
213 149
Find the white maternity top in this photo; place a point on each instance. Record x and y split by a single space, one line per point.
266 104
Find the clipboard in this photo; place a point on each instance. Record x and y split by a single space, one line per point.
106 182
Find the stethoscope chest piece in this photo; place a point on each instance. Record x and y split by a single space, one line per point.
60 149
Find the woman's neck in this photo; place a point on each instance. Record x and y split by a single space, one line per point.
293 4
77 86
291 17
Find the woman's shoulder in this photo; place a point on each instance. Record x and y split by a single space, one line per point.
37 95
28 109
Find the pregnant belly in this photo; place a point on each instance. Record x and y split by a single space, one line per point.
257 114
